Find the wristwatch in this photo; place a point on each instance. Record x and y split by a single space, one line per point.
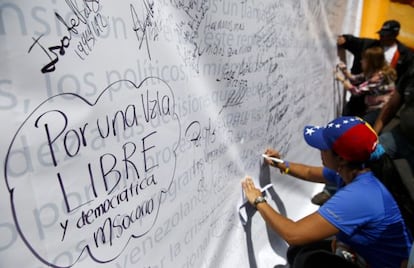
258 200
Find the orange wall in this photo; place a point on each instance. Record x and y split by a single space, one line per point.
375 12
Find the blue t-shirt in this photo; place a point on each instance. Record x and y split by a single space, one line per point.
368 219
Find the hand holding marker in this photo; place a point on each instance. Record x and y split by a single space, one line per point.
277 161
273 159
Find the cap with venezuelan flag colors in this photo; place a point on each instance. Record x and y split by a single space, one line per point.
350 137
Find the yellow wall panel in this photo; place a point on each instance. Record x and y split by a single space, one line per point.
375 12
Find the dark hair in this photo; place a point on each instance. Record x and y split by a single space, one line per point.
351 165
383 167
380 164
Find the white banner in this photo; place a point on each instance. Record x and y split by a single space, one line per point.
127 127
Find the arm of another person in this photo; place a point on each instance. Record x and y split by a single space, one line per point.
353 44
349 42
360 85
349 81
343 69
300 171
394 104
312 228
348 85
388 112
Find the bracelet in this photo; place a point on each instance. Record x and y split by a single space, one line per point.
287 168
258 200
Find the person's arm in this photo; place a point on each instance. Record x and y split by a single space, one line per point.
312 228
348 74
396 101
353 44
348 80
343 68
347 84
388 112
300 171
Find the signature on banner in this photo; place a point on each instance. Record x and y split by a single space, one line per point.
147 28
86 24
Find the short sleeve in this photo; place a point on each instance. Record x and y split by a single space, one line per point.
347 210
332 177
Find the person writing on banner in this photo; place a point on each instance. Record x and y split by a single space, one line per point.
399 57
375 83
363 215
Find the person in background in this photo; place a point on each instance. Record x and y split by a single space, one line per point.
399 142
376 83
363 215
396 54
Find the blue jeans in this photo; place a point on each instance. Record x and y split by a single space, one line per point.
397 146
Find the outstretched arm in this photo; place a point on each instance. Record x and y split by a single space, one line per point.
300 171
312 228
389 110
353 44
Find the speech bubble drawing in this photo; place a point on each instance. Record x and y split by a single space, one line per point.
96 180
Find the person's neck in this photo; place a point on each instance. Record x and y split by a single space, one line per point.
348 175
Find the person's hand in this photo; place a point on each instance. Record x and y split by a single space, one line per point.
272 153
250 190
340 40
339 76
342 66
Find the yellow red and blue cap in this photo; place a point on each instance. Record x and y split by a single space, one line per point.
350 137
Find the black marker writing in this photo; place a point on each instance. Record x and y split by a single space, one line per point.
145 29
94 27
